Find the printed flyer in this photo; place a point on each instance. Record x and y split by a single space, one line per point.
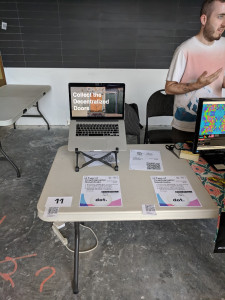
145 160
174 191
101 191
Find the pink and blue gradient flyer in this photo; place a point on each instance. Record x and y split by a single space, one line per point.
101 191
174 191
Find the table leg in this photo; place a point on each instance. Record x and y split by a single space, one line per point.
76 257
6 157
42 116
34 116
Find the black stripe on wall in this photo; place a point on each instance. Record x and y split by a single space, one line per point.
95 33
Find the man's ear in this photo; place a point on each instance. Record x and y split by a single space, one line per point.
203 19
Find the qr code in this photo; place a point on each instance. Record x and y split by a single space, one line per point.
149 208
153 166
53 211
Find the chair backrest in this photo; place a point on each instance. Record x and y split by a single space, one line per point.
132 125
160 104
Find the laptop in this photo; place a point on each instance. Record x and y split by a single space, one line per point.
97 116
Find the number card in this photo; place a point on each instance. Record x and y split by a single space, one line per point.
59 201
54 203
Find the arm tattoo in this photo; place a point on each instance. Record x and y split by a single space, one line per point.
186 87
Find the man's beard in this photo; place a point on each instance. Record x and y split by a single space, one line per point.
208 32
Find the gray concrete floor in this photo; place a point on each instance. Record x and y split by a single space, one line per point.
134 260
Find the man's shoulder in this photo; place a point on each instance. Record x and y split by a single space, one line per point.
187 44
193 44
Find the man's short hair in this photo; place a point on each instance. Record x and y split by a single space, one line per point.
207 5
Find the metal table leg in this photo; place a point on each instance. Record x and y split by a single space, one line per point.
34 116
42 116
6 157
76 257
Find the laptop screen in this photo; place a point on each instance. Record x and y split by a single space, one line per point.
96 100
210 125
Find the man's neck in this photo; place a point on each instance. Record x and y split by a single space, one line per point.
203 40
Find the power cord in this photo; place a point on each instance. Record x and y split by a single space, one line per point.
65 241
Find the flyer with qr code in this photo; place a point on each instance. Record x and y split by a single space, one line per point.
145 160
174 191
101 191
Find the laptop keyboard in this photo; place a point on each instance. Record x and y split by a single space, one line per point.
97 129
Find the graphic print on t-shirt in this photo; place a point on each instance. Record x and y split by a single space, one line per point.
187 104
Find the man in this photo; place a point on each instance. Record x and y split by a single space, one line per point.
197 69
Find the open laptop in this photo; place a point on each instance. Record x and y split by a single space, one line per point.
97 116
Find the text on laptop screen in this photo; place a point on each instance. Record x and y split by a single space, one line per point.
210 125
99 100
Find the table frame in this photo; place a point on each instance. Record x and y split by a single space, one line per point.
76 257
69 184
15 100
7 158
35 116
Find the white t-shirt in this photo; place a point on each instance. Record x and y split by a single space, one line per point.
190 60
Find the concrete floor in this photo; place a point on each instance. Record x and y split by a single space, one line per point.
134 260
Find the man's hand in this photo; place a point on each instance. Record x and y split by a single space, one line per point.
204 80
175 88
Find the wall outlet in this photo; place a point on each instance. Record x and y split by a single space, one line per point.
4 25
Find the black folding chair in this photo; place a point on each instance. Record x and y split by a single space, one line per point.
159 104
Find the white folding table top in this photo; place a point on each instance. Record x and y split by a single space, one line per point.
14 99
136 189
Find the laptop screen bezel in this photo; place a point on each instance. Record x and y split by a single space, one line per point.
119 85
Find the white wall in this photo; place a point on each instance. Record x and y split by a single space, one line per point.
140 84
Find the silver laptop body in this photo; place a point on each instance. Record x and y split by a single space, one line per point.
94 106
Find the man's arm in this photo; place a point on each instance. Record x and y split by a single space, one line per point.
224 82
175 88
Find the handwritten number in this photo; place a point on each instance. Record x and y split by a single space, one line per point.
59 200
47 278
7 276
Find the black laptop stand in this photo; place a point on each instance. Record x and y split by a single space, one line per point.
92 159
